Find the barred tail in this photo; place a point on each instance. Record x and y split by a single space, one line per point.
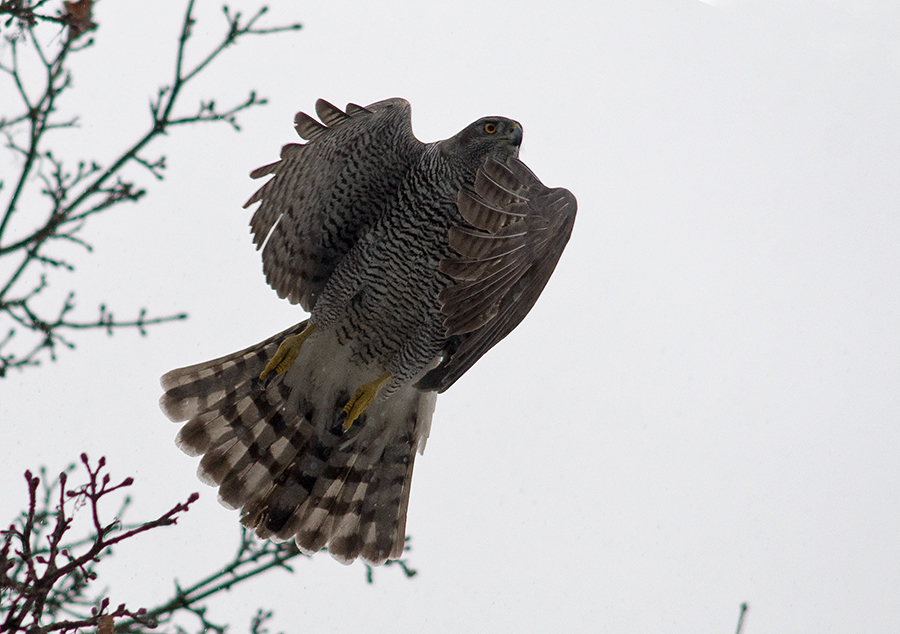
274 451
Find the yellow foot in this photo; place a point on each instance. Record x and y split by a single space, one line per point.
287 353
363 398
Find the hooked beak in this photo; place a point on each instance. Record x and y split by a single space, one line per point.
515 135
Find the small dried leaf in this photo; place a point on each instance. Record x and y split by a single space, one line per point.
105 626
78 17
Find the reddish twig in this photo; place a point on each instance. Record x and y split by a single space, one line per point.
39 572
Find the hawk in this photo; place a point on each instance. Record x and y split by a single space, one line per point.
413 260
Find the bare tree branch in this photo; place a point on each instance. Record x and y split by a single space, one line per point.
74 196
42 574
46 574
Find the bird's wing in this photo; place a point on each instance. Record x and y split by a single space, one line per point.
326 193
518 231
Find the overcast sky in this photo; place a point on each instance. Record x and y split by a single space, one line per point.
701 410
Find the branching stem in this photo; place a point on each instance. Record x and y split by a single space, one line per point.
75 196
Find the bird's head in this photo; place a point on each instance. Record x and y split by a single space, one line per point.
496 136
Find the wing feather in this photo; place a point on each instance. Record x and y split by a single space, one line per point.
519 230
328 192
330 114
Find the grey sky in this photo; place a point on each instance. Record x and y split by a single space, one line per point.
701 410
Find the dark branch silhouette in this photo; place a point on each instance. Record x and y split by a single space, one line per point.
31 225
46 573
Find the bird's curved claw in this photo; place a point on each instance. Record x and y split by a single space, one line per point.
287 353
363 397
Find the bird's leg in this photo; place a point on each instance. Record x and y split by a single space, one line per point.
363 397
287 353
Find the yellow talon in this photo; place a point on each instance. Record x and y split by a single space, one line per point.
363 398
287 353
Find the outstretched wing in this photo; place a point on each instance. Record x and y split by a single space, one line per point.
519 230
326 193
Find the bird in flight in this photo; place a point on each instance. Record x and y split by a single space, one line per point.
413 260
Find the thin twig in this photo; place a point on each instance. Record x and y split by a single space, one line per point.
740 624
41 580
73 196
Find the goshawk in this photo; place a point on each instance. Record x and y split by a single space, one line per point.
413 260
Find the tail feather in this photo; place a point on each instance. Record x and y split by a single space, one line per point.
347 543
259 464
392 491
199 388
274 451
229 460
203 432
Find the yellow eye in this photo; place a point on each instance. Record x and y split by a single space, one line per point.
490 128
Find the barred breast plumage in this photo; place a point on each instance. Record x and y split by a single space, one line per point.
413 260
